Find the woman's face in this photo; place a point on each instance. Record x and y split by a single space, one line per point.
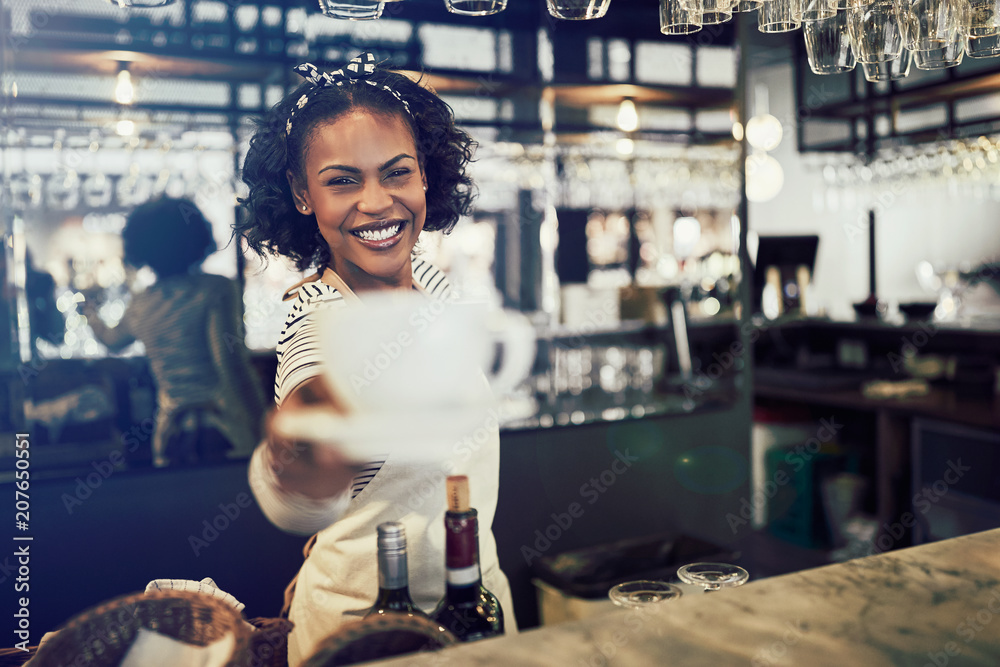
365 185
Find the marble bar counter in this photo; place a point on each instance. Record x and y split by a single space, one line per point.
932 605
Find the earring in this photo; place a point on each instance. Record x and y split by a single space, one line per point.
305 207
425 188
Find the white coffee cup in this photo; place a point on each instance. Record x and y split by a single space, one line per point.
400 352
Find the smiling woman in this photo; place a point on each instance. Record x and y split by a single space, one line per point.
344 175
297 126
365 186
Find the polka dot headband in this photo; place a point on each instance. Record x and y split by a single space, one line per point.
358 70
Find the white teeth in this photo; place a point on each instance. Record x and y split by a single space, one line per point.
379 234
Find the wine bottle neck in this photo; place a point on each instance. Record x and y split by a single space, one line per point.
392 570
462 540
462 576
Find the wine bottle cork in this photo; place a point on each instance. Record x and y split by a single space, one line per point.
458 493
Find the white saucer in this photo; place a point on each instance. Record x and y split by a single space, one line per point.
427 435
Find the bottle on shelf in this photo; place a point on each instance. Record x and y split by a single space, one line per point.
467 609
393 573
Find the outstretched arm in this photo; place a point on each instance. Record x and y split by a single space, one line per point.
301 487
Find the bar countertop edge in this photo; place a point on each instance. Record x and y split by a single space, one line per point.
933 604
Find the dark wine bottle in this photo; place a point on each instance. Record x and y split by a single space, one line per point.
467 609
393 574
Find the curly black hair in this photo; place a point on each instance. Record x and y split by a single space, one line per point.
170 236
272 224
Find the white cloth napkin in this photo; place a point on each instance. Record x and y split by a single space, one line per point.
206 586
151 649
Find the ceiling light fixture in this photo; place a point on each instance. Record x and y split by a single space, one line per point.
763 131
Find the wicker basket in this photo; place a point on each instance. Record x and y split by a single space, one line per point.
102 635
379 636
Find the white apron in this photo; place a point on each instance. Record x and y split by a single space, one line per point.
339 579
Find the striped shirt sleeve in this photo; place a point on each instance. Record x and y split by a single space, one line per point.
298 352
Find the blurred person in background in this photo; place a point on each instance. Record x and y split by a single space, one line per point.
209 399
44 319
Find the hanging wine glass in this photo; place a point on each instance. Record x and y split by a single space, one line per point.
745 6
176 186
779 16
63 191
932 29
875 31
675 19
889 70
981 25
475 7
949 54
577 10
352 10
713 576
97 190
828 46
713 11
141 3
25 191
816 10
133 189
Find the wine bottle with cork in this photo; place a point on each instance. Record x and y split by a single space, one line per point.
393 573
467 609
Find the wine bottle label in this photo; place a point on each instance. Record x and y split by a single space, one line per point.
464 576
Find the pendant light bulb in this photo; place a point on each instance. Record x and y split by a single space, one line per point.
764 132
628 117
124 92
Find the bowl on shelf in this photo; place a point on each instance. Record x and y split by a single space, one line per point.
918 310
866 309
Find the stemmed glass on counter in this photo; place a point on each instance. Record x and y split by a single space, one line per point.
713 576
642 593
707 576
